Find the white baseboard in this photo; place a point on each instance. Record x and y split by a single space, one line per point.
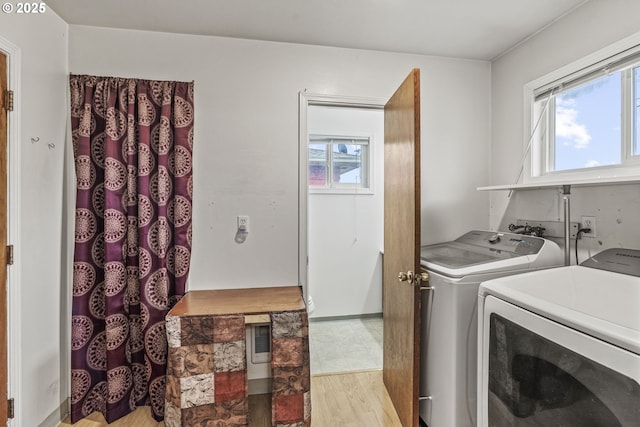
56 417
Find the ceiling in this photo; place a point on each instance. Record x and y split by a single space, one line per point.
473 29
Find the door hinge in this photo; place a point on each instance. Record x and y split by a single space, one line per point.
10 408
10 255
8 100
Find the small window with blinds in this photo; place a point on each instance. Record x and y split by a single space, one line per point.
339 164
587 123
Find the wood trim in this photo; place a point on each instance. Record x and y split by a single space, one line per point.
417 181
250 319
13 295
3 241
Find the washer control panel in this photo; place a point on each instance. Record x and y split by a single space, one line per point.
508 242
617 260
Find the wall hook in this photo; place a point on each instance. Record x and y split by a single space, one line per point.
34 140
51 145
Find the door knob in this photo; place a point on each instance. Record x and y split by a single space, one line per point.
413 278
409 276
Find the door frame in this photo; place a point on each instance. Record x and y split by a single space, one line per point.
307 99
13 297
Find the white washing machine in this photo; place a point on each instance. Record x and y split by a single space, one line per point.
561 347
449 323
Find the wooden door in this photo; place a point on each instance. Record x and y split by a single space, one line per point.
3 240
401 300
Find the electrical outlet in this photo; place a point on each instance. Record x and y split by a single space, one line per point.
588 222
243 223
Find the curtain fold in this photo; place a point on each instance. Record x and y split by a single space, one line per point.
133 142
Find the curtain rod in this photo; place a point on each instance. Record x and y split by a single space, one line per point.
129 78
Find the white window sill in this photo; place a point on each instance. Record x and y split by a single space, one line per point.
334 191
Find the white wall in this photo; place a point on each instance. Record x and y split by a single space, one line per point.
455 145
42 111
246 127
346 230
246 160
590 28
616 208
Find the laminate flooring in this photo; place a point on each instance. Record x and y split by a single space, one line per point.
352 399
355 399
346 381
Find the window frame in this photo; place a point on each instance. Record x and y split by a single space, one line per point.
539 128
344 188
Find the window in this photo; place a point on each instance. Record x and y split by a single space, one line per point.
339 164
586 123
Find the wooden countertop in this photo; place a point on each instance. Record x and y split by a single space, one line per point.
255 303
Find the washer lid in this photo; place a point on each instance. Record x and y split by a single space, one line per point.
481 252
457 255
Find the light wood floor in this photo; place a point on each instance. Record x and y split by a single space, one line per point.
353 399
141 417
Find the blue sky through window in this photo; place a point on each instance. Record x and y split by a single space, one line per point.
588 124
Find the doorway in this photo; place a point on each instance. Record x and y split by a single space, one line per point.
341 182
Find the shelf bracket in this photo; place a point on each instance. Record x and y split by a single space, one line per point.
566 202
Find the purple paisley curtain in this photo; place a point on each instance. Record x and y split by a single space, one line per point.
132 143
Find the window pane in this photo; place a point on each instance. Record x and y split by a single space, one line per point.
588 125
318 165
636 111
349 164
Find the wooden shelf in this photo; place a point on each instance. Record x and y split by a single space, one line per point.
254 303
558 184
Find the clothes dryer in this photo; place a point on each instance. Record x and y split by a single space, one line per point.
449 323
561 347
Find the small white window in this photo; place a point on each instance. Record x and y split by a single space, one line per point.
586 124
339 163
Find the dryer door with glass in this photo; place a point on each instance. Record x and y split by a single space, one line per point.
537 372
